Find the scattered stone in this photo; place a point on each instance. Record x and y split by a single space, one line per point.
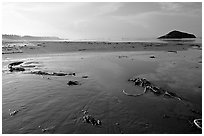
72 74
70 83
31 62
82 49
118 126
39 73
152 56
165 116
116 123
47 73
122 57
84 111
196 46
173 51
89 119
16 69
49 129
13 112
12 68
146 125
99 122
15 64
58 74
84 76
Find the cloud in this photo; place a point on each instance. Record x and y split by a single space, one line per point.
169 6
188 8
104 19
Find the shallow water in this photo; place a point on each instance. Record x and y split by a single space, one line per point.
49 103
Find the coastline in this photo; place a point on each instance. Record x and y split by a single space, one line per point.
108 70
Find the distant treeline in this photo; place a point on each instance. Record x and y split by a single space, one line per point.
27 37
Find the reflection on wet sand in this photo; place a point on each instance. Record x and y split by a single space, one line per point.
32 104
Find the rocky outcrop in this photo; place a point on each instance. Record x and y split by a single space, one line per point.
177 34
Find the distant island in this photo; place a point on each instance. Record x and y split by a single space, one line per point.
27 37
177 34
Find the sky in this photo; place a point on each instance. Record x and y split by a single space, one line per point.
101 20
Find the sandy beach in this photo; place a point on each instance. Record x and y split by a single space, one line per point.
40 99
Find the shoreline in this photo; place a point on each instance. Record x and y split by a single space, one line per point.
58 47
29 95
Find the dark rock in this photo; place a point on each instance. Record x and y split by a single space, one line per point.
13 113
59 74
39 73
122 56
116 123
156 90
173 51
46 73
15 64
70 83
72 74
152 56
165 116
49 129
82 49
17 69
84 76
91 120
177 34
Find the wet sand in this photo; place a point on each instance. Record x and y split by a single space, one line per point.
46 104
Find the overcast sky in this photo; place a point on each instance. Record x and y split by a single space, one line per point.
101 21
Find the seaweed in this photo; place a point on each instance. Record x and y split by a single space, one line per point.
148 86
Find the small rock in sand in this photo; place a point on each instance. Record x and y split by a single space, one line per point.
85 111
15 63
89 119
117 123
70 83
152 56
49 129
17 69
173 51
72 74
165 116
84 76
13 113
